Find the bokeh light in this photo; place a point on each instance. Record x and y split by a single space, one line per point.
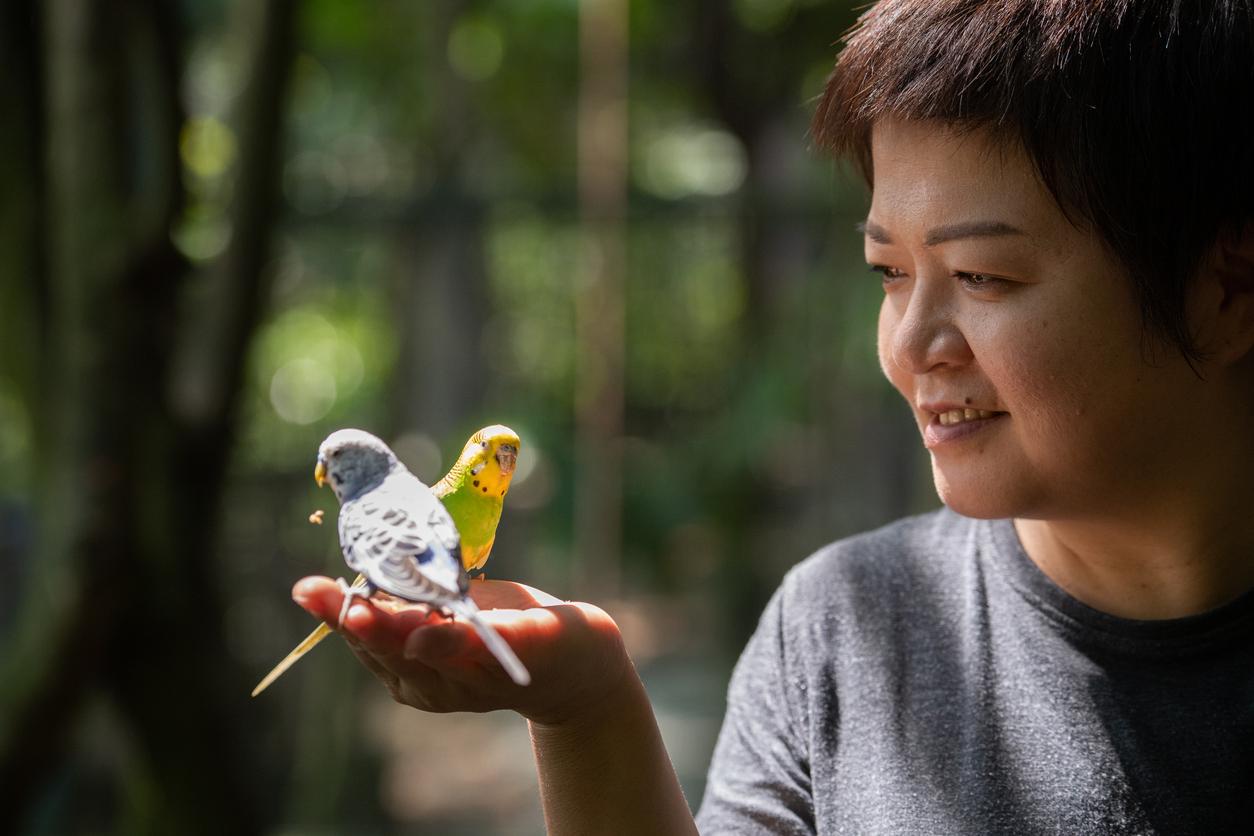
692 160
476 47
301 391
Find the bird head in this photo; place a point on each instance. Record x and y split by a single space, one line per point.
353 461
490 457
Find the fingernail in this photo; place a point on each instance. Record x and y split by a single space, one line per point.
358 615
303 591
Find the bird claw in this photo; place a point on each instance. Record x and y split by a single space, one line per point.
350 592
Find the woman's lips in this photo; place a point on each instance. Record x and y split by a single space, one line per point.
948 427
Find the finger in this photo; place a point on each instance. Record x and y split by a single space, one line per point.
381 624
382 629
321 597
452 644
456 657
452 649
435 645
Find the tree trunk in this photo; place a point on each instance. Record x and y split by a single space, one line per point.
600 295
442 294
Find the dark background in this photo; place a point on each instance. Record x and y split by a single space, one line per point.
229 228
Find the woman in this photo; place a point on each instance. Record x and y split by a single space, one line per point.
1062 213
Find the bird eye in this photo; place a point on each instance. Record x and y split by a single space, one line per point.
483 444
335 454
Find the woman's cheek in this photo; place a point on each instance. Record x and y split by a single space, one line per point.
1046 385
888 321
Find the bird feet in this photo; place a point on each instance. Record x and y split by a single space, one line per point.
350 592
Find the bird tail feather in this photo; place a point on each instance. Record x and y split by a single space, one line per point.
497 645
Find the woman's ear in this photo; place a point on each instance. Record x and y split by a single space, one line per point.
1222 299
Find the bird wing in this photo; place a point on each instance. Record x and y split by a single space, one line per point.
403 540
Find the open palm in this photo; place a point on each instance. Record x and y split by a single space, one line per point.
574 650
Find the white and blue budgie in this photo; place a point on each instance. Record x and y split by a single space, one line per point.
398 535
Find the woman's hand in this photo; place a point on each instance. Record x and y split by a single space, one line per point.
599 756
573 651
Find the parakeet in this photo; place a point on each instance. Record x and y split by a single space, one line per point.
474 490
488 458
397 534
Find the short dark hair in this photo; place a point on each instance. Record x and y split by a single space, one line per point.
1136 113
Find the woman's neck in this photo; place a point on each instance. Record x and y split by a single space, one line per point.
1176 542
1164 564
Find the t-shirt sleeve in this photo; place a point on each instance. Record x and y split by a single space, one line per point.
759 780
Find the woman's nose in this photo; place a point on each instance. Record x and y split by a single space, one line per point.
927 334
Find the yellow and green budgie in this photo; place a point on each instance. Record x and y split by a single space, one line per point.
473 492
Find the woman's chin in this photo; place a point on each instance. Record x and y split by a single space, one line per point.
980 498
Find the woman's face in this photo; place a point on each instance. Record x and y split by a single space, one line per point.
1015 336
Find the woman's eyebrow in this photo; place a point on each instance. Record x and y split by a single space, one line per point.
873 231
949 232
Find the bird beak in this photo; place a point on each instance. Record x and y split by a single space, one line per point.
507 457
320 472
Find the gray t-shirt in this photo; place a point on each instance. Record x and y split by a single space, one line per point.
927 678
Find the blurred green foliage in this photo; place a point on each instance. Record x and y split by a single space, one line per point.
424 270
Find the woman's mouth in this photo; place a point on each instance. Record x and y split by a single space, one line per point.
958 416
954 425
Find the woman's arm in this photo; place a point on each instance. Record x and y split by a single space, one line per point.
607 771
601 762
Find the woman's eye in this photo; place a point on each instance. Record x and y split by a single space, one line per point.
978 280
888 273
